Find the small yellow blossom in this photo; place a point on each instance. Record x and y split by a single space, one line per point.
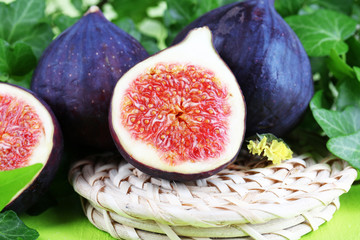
275 151
256 147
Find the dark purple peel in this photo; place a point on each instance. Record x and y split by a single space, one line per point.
77 73
268 60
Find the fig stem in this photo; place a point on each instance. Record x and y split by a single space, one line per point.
92 9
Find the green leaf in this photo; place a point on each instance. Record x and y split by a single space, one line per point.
344 6
4 65
19 16
12 181
337 124
128 25
318 101
322 31
16 60
78 4
136 9
22 21
347 148
286 8
348 94
21 59
353 55
63 21
357 72
154 28
339 67
38 38
12 228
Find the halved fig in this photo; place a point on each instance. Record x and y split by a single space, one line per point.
179 114
29 134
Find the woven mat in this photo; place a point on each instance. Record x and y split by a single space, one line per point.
247 199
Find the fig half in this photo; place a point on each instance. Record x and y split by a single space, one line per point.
29 134
179 114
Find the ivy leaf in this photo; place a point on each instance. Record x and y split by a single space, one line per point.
38 38
357 72
318 101
339 67
353 55
346 147
16 60
22 21
4 65
322 31
19 16
12 181
21 59
336 123
128 25
63 22
286 8
126 8
12 228
78 4
344 6
348 94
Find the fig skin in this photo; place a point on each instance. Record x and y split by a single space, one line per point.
41 182
197 53
172 176
77 73
268 60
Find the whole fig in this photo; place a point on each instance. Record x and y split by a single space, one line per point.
268 60
78 71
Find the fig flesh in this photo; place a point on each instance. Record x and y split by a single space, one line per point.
268 60
179 114
29 134
77 73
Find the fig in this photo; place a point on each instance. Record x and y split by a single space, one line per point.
77 73
179 114
268 60
29 134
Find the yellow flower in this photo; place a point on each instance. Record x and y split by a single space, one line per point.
256 147
277 152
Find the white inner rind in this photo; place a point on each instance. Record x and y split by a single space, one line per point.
196 49
43 149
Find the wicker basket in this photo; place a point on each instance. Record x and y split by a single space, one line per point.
249 200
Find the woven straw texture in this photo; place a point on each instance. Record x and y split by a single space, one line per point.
248 200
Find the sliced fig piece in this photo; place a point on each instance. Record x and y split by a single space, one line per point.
77 73
29 134
180 114
268 60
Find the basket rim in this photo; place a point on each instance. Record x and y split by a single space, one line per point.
293 228
229 197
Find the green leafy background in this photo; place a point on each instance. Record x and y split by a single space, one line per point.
328 30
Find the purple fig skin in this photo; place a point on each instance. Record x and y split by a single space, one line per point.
268 60
77 73
41 183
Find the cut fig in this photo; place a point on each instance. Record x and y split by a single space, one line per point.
77 73
268 60
29 134
179 114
